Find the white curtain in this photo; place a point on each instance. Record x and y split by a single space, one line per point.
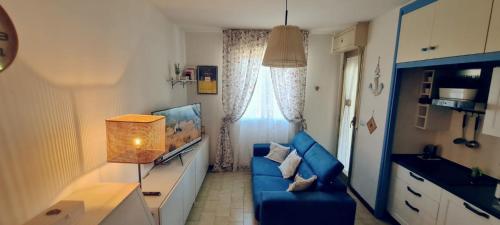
243 51
263 121
290 90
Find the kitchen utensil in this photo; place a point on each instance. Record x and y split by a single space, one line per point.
474 143
462 140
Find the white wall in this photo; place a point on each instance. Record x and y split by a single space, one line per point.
322 107
368 147
205 48
79 62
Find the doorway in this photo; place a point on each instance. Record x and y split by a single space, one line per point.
348 110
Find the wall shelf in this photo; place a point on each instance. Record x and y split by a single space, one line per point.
183 82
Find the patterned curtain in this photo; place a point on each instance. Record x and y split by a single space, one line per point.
290 90
243 51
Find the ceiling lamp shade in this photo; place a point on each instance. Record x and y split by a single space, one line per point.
135 138
285 48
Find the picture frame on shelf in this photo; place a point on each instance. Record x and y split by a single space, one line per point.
207 80
189 73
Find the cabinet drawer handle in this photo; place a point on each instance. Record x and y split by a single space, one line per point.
416 177
477 212
424 49
413 192
411 207
433 47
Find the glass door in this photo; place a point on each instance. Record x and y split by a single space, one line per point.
348 111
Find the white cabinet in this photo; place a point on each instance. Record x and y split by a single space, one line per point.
178 183
351 38
493 42
188 183
455 211
443 29
172 212
460 27
414 37
491 125
412 199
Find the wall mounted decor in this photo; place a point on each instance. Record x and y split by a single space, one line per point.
376 87
207 79
8 40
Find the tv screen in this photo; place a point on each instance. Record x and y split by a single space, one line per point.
182 128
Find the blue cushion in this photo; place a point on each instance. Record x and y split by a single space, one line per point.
266 183
265 167
305 170
323 164
302 142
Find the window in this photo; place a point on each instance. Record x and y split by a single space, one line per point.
263 105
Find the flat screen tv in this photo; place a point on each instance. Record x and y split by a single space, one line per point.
182 129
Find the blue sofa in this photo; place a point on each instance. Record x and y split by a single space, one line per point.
327 202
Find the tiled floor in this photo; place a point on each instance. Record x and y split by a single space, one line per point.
226 199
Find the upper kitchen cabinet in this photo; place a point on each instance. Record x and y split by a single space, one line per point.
443 29
493 42
414 38
460 27
491 125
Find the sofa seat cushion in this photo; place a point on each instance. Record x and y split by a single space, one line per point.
324 165
266 183
265 167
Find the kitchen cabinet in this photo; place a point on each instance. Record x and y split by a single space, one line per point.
412 200
460 27
455 211
414 37
491 125
443 29
493 42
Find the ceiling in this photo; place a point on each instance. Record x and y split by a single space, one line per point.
319 16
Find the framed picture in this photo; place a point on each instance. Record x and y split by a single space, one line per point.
207 79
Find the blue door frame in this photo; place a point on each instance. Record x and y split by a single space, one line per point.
385 164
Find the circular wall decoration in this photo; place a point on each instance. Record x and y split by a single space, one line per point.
8 40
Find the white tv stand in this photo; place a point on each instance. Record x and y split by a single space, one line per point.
178 183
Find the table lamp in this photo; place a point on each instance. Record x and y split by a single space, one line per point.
138 139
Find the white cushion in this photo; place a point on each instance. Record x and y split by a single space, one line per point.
301 184
277 152
289 166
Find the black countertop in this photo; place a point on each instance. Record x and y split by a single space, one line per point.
455 179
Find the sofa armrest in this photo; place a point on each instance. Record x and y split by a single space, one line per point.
288 208
260 149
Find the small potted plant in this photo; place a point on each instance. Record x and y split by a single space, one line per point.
177 71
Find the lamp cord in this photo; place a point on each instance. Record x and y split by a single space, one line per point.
286 12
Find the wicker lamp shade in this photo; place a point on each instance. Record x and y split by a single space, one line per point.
135 138
285 48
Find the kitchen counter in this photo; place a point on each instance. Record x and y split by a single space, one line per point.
455 179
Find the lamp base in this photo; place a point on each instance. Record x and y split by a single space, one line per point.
151 193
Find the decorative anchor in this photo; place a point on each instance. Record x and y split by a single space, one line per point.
377 87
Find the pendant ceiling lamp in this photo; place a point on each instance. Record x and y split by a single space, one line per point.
285 47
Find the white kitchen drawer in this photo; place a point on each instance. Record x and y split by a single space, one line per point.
455 211
417 183
419 200
407 216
